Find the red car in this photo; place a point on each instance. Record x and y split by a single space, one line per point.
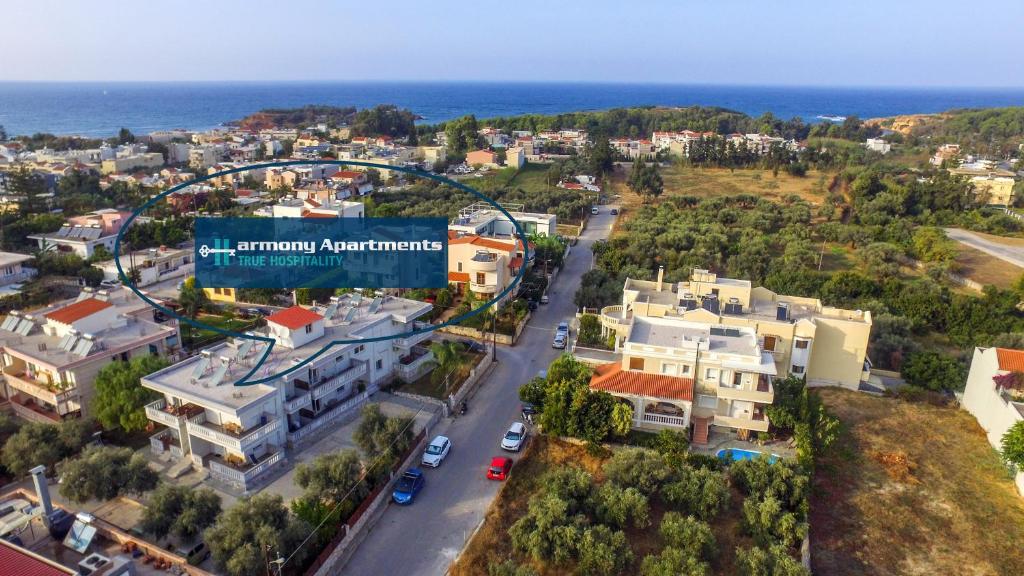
499 468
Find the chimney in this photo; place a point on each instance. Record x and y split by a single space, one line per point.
661 276
42 490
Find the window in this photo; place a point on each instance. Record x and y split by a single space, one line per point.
380 364
707 402
153 350
481 278
309 328
686 368
711 374
797 369
460 266
670 369
636 363
359 349
769 343
801 344
339 358
737 378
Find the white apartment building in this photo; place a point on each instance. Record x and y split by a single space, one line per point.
239 433
996 407
50 357
483 219
152 265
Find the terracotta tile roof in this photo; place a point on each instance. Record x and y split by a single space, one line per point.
308 214
16 560
458 276
612 378
347 174
74 312
516 263
294 318
1010 360
506 246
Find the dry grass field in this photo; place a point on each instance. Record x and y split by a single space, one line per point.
913 489
986 269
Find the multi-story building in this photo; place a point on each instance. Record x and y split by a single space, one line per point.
484 266
239 432
133 162
83 234
483 219
152 265
710 348
50 357
13 272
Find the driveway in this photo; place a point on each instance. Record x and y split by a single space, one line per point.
1005 252
423 539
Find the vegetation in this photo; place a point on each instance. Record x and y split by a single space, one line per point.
180 511
1012 445
246 533
104 473
120 399
38 444
383 439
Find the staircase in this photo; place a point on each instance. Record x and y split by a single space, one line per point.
701 430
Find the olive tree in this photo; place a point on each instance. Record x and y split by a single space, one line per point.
246 532
104 473
180 511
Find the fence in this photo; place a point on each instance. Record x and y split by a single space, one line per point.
955 278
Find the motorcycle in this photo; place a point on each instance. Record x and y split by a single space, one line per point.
462 409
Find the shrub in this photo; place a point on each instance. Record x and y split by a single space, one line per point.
674 562
603 552
639 468
698 491
1013 445
688 533
770 523
621 506
774 561
934 371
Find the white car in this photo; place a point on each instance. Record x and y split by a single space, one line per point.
436 451
515 437
559 341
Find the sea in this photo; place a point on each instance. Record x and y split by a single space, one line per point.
100 109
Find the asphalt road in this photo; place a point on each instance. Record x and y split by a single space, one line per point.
424 538
1010 254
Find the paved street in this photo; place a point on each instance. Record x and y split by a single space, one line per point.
1005 252
423 539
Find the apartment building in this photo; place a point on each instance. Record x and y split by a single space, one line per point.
133 162
238 433
50 357
83 234
484 266
152 265
708 349
483 219
994 394
13 272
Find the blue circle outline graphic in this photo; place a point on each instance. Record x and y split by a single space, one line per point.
272 341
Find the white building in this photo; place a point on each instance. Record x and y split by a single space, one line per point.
238 433
878 145
483 219
153 265
996 407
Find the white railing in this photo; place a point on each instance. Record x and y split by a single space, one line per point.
40 390
335 382
664 419
155 412
611 317
328 416
197 427
243 478
410 341
156 444
414 366
300 401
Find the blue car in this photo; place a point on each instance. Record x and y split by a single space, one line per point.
409 485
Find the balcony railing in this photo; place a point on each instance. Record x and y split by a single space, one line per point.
298 402
29 409
41 390
483 288
410 341
197 426
612 317
156 412
246 474
664 419
164 442
327 416
332 383
746 423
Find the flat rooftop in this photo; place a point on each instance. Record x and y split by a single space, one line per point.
227 362
674 333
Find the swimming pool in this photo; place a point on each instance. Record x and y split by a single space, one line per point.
737 454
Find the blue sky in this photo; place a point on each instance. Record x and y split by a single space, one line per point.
776 42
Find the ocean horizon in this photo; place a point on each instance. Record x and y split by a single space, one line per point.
100 109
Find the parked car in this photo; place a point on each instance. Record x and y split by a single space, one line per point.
563 328
594 210
499 468
559 341
436 451
529 409
668 408
531 305
197 554
409 485
515 437
615 212
544 299
471 345
109 284
253 312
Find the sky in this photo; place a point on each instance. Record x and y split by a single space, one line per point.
759 42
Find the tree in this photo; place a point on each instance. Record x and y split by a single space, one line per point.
640 468
509 568
590 330
382 437
333 478
449 358
104 473
120 399
125 136
674 562
602 158
192 297
701 492
645 180
620 507
622 419
38 444
603 552
768 521
545 532
246 533
1013 445
688 533
934 371
772 561
181 511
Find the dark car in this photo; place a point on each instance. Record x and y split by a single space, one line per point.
615 212
408 486
532 305
471 345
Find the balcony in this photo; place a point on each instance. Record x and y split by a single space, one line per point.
483 262
244 474
329 384
229 436
757 422
483 288
159 412
301 400
664 420
613 317
44 391
325 417
410 341
31 409
164 442
412 365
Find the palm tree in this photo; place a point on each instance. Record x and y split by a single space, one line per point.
449 358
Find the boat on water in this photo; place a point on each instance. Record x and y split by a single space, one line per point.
832 118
